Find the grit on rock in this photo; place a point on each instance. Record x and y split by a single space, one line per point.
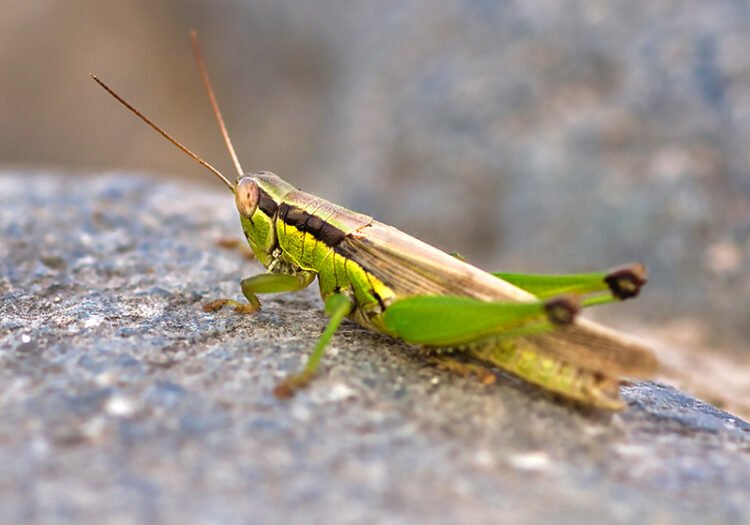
121 401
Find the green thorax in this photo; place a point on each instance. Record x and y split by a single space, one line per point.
287 220
292 231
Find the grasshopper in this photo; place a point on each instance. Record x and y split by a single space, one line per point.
463 318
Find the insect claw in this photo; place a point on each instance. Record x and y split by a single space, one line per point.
292 384
562 310
626 281
215 306
240 308
246 308
283 390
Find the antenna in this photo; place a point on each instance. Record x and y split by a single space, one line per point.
163 133
212 98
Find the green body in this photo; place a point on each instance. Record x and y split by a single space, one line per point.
376 266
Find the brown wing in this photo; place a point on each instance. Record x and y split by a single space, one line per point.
411 267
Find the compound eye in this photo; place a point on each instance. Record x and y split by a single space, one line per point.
246 196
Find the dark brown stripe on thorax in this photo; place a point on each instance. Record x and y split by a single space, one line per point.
266 204
308 223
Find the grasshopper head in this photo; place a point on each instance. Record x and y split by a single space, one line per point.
258 196
246 196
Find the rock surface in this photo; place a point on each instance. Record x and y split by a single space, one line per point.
121 401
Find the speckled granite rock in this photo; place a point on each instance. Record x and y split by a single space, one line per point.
122 402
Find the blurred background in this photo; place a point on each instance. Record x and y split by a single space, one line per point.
538 135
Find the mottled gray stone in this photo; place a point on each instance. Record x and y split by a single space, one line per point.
121 401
